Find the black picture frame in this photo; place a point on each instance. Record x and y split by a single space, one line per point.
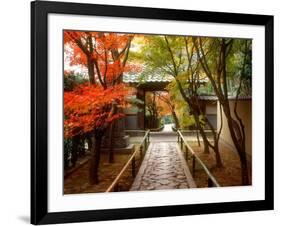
39 116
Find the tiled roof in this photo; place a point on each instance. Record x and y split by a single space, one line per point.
240 98
213 97
158 78
206 97
137 78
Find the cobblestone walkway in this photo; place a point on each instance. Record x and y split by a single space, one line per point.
163 167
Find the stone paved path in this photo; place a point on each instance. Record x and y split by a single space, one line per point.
163 167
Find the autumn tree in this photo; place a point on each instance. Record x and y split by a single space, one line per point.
103 54
152 110
73 146
217 58
87 110
105 57
174 56
191 79
167 99
186 120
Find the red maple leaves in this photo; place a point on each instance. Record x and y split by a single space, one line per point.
105 55
89 106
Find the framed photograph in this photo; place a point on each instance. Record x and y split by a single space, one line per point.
144 112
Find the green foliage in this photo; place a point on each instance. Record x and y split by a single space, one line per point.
239 66
177 56
67 143
71 80
181 107
152 111
157 58
238 62
152 122
167 119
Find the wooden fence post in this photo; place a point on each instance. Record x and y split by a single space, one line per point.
116 187
134 166
193 166
210 182
145 146
141 154
181 143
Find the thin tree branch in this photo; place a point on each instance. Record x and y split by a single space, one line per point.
172 56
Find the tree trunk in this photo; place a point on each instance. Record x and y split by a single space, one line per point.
215 147
111 135
81 146
176 120
90 143
196 117
74 150
206 145
95 159
239 144
91 70
111 144
197 136
244 170
202 133
217 154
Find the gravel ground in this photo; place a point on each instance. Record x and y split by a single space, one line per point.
78 181
229 175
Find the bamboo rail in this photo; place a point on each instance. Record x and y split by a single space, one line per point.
132 161
212 182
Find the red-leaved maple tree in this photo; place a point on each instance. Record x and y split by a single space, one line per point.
104 55
92 108
88 107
